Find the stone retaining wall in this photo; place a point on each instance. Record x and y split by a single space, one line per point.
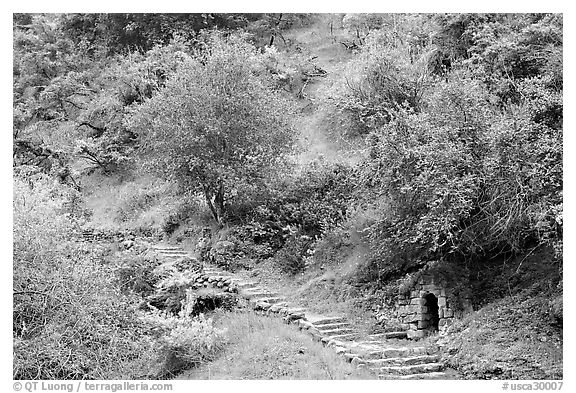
205 280
418 315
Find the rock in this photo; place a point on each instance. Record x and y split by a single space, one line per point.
304 325
262 306
316 336
313 330
282 310
357 361
418 301
399 335
415 334
294 316
418 368
341 350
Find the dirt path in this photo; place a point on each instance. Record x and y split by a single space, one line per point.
320 130
387 355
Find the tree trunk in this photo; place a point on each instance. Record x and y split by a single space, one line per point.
219 201
215 201
208 196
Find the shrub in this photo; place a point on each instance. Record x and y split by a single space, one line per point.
465 179
184 342
384 77
136 273
69 319
207 299
314 201
170 293
291 258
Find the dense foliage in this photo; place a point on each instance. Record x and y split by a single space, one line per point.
468 159
216 126
66 308
175 122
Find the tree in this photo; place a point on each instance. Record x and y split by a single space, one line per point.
216 126
119 32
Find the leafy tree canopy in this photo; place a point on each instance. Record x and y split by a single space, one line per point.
216 126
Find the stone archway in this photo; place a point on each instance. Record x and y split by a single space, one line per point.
431 315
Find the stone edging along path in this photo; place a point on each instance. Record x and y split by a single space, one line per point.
374 352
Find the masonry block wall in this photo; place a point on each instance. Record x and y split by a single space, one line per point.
425 307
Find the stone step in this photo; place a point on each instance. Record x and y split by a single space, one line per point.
253 289
336 332
174 256
403 361
377 336
258 295
330 326
371 342
432 375
414 369
343 337
294 310
161 247
247 285
390 353
272 300
390 335
328 320
276 307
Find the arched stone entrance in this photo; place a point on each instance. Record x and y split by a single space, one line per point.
430 315
424 307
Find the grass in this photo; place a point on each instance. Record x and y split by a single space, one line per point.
328 286
142 203
513 338
261 347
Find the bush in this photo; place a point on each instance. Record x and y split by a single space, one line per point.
69 320
384 77
291 258
184 342
208 299
466 179
314 201
135 273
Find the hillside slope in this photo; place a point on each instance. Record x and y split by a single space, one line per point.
319 126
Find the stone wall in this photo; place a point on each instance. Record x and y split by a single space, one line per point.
425 307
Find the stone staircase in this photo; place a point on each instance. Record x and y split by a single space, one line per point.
386 355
